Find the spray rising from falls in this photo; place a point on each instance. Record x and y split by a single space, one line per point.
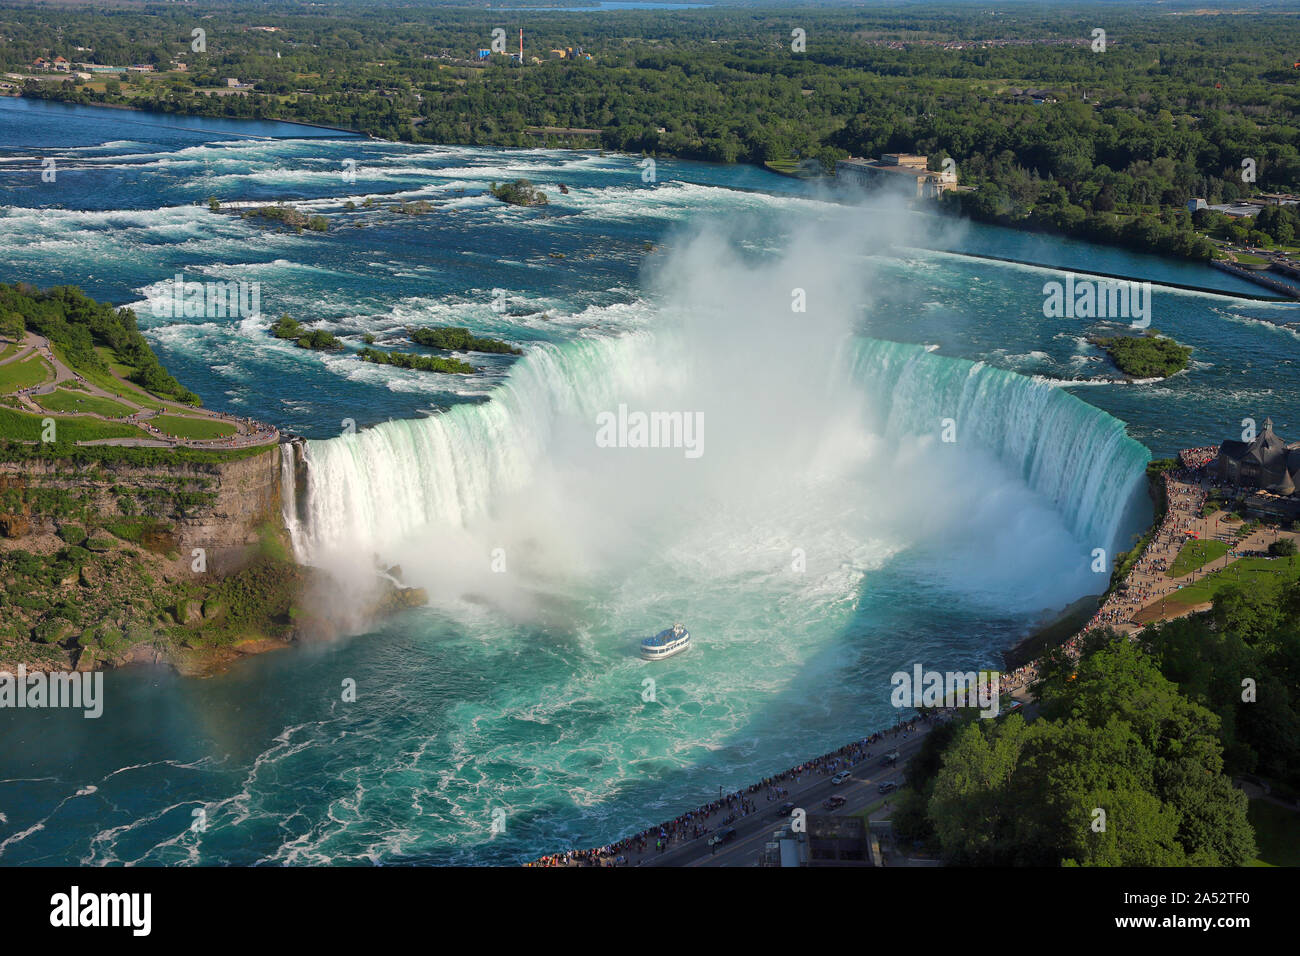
378 486
810 439
372 490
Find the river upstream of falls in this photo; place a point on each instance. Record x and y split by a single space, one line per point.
817 535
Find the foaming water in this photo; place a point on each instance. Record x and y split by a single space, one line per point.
1078 458
827 536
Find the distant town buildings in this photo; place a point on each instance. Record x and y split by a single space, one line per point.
86 70
1237 210
1037 97
906 171
572 53
1245 207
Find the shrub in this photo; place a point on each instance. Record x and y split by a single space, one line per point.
72 533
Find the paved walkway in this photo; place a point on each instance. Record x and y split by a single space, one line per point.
248 432
756 810
1144 597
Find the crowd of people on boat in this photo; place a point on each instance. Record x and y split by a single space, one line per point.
732 806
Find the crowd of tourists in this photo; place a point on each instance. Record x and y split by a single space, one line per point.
732 806
1186 497
1194 459
252 433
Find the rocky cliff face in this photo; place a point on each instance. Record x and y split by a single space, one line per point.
108 562
248 498
221 508
98 566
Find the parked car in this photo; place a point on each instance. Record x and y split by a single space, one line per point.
834 803
889 786
785 810
839 778
722 836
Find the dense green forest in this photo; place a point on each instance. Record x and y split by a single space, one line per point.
75 324
1052 132
1150 731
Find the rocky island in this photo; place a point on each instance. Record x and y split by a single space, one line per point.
521 192
1145 356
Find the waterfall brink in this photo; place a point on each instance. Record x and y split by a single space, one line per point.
1072 453
382 485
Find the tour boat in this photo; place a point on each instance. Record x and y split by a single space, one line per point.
666 643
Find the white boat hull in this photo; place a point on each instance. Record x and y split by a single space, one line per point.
666 643
660 653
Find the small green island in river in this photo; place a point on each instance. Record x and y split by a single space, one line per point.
445 338
1145 356
457 339
521 192
305 338
421 363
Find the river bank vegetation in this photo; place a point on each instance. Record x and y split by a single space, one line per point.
1145 356
78 327
1049 128
457 339
1151 732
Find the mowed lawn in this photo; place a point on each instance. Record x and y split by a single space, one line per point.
21 426
181 427
30 371
74 403
1197 554
1243 571
1277 833
128 390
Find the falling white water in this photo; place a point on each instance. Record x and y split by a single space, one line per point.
375 488
814 438
289 498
